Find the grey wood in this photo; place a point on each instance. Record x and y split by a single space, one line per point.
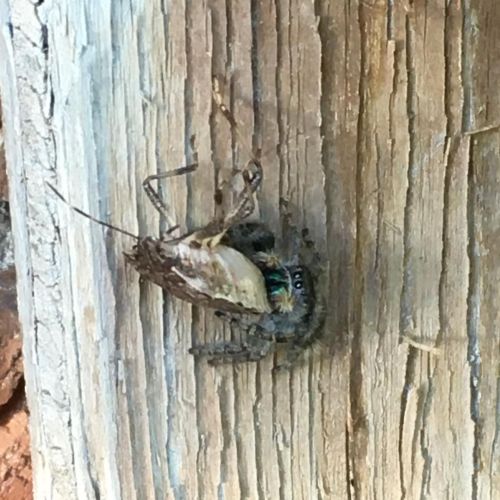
379 121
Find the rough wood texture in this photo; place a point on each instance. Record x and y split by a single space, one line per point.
379 120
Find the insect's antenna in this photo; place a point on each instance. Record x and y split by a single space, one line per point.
230 118
88 216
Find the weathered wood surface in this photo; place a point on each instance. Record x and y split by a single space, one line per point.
380 121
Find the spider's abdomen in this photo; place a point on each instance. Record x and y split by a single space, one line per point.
250 238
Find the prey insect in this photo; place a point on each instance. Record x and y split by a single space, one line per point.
232 266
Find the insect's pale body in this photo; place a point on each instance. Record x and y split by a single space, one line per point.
219 276
226 275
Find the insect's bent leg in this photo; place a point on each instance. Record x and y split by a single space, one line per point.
154 196
216 229
216 94
245 203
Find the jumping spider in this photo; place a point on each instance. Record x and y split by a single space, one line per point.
231 265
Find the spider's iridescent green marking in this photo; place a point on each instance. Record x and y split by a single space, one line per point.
277 281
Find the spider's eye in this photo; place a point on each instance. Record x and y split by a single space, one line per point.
297 275
298 284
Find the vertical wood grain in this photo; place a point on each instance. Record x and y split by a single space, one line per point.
376 120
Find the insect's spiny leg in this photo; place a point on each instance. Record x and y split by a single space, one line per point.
155 198
217 96
252 177
245 203
157 202
249 150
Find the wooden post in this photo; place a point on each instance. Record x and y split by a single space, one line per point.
379 121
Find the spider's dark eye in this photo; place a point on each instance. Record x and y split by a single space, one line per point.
298 284
297 275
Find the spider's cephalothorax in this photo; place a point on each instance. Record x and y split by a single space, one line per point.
232 266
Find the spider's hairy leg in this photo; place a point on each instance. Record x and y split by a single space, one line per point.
246 326
230 319
310 255
292 233
305 338
154 195
302 246
253 349
293 353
